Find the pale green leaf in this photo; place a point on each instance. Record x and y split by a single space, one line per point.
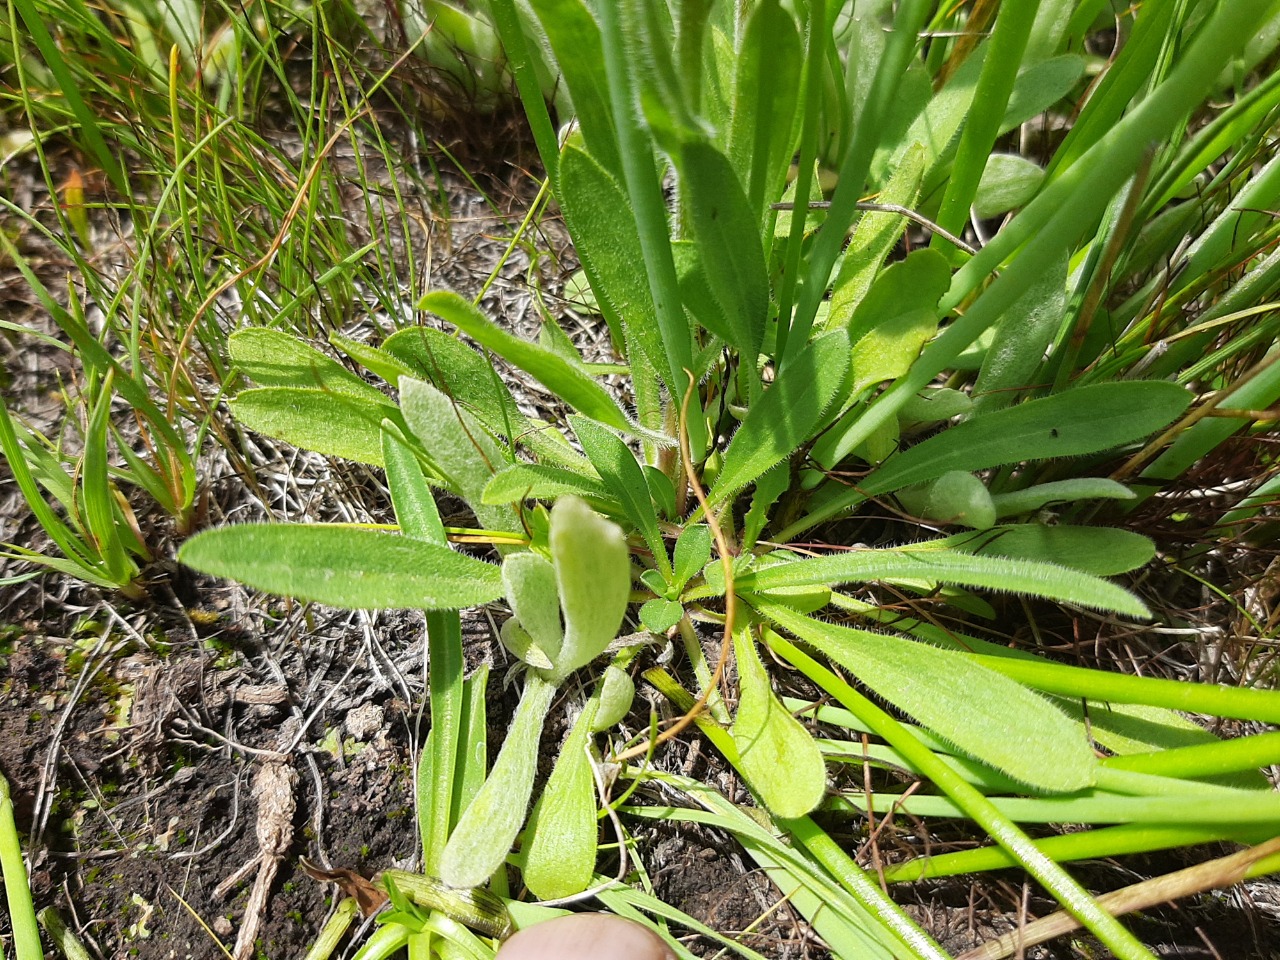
560 844
530 584
956 497
988 716
777 756
459 446
617 692
1060 491
485 832
344 566
593 576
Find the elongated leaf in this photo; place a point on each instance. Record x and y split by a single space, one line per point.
553 372
989 717
786 415
272 358
458 371
521 480
374 359
606 240
593 575
344 566
334 424
1086 420
1102 551
942 565
459 446
897 316
490 824
561 839
777 756
622 474
1060 492
765 108
727 233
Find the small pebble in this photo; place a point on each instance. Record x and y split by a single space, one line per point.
364 721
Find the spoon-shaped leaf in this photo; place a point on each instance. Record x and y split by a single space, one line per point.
778 757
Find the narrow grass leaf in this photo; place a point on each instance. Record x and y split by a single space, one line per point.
942 565
344 566
562 835
1089 419
786 415
1000 723
776 754
553 372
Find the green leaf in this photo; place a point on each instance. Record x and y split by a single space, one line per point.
659 615
530 583
1008 182
617 693
540 482
693 552
593 576
955 497
271 358
521 646
1101 551
989 717
374 359
561 839
765 107
1019 340
936 564
727 233
875 237
1088 419
622 474
335 424
458 371
555 373
411 497
1060 491
897 316
490 824
786 415
1040 86
607 242
777 756
459 446
344 566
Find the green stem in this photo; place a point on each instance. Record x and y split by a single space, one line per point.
13 873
